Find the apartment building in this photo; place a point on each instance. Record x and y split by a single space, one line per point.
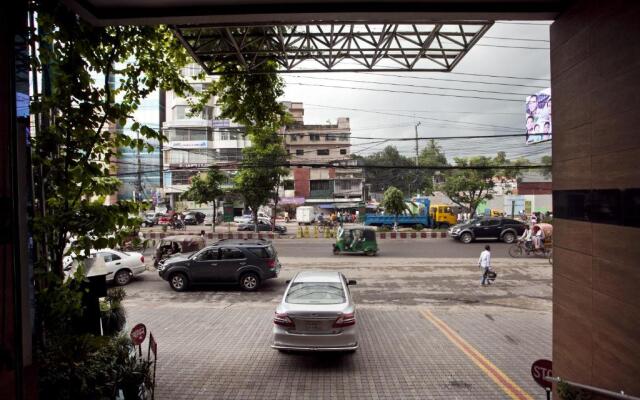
322 169
196 141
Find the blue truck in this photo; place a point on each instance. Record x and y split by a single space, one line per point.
419 217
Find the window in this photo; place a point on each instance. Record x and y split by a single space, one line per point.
299 152
323 152
344 136
208 255
293 138
316 293
182 177
331 137
109 257
179 112
259 252
314 137
230 254
320 185
288 185
191 70
343 151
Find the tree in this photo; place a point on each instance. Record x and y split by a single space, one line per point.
206 187
380 178
252 100
546 160
431 156
393 202
72 146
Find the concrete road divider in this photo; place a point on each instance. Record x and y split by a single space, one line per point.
305 234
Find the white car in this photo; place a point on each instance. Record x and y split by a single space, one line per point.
121 266
317 313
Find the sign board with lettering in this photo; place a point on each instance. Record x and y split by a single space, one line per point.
188 144
227 212
540 370
138 334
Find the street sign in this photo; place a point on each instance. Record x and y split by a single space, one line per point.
228 212
138 334
539 370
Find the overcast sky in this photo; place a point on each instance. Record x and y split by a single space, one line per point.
463 116
438 115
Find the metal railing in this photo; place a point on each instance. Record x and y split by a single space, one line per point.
614 395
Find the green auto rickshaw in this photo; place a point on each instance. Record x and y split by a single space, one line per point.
356 241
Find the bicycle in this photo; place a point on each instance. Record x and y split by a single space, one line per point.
521 248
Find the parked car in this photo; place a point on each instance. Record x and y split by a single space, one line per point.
121 266
263 226
164 219
505 229
248 218
194 218
317 313
247 263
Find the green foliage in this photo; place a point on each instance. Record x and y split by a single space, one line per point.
205 187
407 180
567 392
471 186
75 123
393 202
546 160
252 100
90 367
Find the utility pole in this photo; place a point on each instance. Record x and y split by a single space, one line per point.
417 155
417 148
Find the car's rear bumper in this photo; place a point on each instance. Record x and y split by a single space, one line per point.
343 341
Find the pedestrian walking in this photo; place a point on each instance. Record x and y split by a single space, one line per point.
485 263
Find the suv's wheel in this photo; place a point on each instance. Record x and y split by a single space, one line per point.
249 281
179 282
508 237
466 238
122 277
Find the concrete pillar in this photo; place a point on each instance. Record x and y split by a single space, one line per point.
595 75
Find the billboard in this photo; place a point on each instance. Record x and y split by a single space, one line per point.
538 117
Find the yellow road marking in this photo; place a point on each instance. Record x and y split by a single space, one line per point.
505 383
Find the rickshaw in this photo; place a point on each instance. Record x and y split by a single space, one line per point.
519 249
356 241
171 245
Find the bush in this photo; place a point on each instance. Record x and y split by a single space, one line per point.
113 315
417 227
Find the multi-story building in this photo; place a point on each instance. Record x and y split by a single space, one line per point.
196 141
322 169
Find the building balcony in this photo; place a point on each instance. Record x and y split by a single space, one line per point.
321 194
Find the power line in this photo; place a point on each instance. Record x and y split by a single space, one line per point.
517 39
411 85
501 76
512 47
405 92
454 80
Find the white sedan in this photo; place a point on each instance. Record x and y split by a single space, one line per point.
317 313
121 266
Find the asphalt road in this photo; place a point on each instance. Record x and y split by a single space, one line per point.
429 248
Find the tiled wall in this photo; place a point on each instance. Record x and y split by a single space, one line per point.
595 74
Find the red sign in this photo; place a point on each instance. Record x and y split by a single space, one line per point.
153 345
138 333
539 370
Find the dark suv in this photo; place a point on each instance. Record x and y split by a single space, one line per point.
505 229
228 261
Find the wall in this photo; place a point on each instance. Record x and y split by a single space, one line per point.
595 75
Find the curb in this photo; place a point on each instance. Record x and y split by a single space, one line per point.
237 235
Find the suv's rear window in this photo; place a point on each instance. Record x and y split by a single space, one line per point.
263 252
315 293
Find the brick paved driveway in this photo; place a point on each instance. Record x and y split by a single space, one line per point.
213 343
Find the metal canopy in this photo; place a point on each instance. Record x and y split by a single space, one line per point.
334 47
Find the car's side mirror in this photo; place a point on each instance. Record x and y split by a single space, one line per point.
352 282
288 281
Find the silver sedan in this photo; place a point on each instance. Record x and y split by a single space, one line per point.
317 313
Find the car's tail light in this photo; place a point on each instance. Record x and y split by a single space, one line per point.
271 263
345 320
283 319
142 259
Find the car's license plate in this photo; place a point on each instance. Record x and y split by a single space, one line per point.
313 325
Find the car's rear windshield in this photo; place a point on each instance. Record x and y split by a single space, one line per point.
263 252
315 293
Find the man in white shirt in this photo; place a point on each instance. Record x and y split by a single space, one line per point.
485 263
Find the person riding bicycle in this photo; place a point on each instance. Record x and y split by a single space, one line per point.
525 238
